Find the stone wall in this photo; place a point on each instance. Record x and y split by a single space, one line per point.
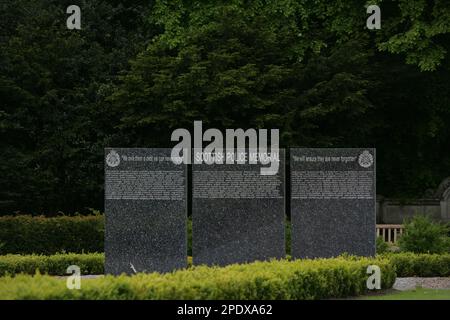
394 211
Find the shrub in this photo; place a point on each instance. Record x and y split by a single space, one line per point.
299 279
91 263
422 235
54 265
406 264
27 234
420 265
382 246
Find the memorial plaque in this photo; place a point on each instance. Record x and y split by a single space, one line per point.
332 202
238 214
145 211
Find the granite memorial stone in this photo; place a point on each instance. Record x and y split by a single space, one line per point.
238 214
145 211
332 202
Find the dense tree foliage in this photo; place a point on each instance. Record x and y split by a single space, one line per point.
52 84
310 68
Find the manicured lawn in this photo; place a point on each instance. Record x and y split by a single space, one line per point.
417 294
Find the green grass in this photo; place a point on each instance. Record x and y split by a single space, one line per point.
416 294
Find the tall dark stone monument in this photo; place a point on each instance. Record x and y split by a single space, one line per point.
238 214
145 209
332 202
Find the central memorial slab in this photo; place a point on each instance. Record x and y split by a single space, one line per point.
332 202
238 214
145 211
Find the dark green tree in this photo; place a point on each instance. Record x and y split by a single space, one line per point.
309 68
52 82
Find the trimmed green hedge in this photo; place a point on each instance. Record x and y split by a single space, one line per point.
27 234
299 279
91 263
406 264
420 265
57 264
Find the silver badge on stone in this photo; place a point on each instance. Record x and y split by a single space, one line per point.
365 159
113 159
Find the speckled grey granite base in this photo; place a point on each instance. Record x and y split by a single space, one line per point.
338 222
145 229
230 230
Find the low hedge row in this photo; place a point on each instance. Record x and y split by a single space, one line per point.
56 265
12 264
299 279
41 235
405 264
420 265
